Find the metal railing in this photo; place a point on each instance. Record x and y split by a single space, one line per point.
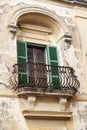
42 77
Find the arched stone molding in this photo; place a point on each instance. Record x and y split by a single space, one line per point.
40 10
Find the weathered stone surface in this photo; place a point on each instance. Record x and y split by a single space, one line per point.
72 54
10 115
80 115
1 11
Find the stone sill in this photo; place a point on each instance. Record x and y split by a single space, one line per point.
46 114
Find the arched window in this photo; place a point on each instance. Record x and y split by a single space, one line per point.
36 50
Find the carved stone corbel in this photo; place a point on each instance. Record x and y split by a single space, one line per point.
68 38
13 30
31 102
62 104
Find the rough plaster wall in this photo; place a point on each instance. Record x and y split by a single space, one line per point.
8 46
10 115
82 28
7 59
71 56
66 13
80 115
46 124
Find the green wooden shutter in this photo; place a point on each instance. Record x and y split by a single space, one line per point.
22 59
53 62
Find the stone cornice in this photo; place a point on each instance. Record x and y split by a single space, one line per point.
47 115
80 2
81 97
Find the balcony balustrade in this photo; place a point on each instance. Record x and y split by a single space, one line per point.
41 77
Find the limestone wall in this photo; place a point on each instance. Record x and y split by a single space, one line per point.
80 115
69 55
73 55
10 115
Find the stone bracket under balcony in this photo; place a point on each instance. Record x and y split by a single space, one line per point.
43 107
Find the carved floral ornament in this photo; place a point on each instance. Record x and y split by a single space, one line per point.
13 28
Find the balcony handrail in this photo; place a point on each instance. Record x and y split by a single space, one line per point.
49 78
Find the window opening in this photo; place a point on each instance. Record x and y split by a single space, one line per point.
32 66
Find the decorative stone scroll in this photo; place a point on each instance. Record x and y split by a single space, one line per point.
13 30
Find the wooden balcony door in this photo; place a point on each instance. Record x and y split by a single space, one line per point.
37 66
